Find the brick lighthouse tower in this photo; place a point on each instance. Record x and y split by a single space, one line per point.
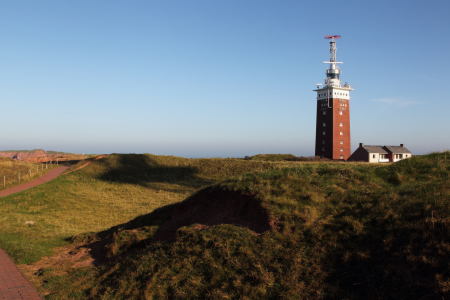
333 111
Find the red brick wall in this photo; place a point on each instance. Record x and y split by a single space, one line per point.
328 138
333 129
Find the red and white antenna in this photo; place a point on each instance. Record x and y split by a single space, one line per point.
332 46
332 36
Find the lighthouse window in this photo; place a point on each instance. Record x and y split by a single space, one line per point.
324 133
342 156
323 141
324 124
324 113
341 142
323 149
340 124
340 112
341 133
342 149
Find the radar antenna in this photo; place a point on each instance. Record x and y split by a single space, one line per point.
332 46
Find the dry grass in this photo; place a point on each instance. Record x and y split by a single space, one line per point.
11 169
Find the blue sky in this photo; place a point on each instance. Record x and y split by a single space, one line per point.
218 78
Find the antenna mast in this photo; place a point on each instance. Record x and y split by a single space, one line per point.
333 71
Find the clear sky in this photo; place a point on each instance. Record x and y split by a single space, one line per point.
218 78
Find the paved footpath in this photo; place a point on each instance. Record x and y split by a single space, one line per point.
13 285
43 179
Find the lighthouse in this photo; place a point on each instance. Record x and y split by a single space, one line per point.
333 111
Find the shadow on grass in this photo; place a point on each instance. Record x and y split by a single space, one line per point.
391 259
142 170
204 209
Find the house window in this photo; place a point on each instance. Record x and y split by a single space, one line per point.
324 133
341 142
342 156
340 112
324 124
341 133
373 156
406 155
342 149
340 124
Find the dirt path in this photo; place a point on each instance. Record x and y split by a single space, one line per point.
43 179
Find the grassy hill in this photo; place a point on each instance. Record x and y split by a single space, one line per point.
152 227
34 150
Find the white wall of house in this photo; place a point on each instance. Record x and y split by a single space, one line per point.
374 157
377 158
403 156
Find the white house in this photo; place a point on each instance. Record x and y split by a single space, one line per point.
379 154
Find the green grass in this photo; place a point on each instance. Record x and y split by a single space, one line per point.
337 230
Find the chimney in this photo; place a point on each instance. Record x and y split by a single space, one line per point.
401 145
361 144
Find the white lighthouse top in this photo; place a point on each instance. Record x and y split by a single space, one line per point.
333 72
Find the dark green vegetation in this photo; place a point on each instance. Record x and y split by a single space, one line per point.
294 230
